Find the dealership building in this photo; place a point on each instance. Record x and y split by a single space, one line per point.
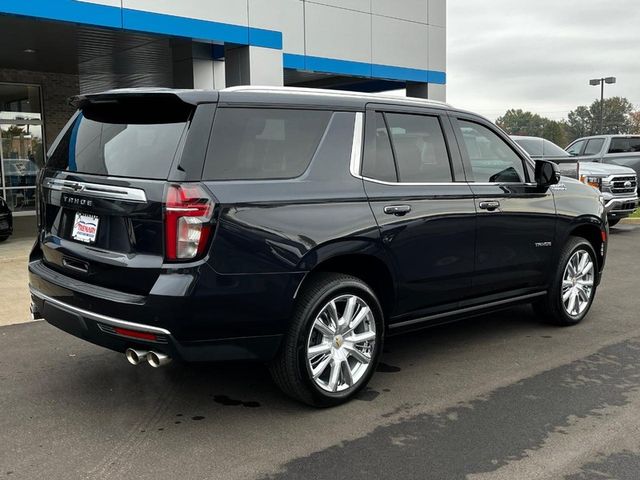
55 49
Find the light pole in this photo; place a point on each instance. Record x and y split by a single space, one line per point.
601 81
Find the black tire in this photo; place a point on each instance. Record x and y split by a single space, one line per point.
551 308
614 222
290 369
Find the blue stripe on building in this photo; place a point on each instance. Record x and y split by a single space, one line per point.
361 69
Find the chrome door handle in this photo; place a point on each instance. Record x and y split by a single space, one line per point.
490 205
397 210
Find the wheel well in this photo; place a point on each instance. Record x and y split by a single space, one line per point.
593 235
367 268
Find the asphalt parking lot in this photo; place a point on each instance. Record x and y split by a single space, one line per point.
495 397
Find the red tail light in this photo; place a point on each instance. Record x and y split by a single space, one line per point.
135 334
187 217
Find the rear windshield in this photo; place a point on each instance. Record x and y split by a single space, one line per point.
120 140
625 145
263 143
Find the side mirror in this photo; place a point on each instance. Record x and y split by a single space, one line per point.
547 173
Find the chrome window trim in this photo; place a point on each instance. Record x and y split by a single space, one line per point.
97 190
355 166
98 317
356 146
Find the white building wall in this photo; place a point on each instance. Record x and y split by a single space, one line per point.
225 11
400 42
337 33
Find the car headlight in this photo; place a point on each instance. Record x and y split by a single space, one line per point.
595 182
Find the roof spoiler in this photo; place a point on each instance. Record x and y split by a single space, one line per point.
115 96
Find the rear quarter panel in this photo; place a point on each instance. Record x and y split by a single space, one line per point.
285 226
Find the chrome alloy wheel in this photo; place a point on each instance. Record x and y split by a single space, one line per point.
341 343
577 283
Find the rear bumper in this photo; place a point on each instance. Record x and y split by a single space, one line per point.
183 327
101 330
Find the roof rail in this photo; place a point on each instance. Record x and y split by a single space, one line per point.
334 93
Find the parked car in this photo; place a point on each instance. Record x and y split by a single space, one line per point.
619 185
6 220
621 150
299 227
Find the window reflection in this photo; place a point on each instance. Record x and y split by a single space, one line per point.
21 144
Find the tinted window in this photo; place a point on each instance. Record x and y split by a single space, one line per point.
625 145
575 148
379 164
533 146
252 143
420 149
593 146
143 150
492 159
552 150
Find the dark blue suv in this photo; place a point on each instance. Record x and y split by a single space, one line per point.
298 227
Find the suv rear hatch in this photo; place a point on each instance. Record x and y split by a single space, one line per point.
103 206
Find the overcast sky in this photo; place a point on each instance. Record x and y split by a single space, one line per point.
539 55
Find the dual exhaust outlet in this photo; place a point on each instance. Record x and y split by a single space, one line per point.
155 359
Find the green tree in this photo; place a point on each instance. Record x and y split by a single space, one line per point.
555 132
519 122
580 123
616 113
616 118
634 118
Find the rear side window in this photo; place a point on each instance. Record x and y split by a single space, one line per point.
492 159
625 145
594 146
379 165
116 140
262 143
420 149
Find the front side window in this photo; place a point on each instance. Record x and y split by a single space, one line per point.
594 146
420 149
492 159
575 148
263 143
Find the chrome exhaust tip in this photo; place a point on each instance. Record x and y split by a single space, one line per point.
157 360
134 357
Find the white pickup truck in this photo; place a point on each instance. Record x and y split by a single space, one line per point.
618 184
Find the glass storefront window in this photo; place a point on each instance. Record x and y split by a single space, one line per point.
21 144
19 102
